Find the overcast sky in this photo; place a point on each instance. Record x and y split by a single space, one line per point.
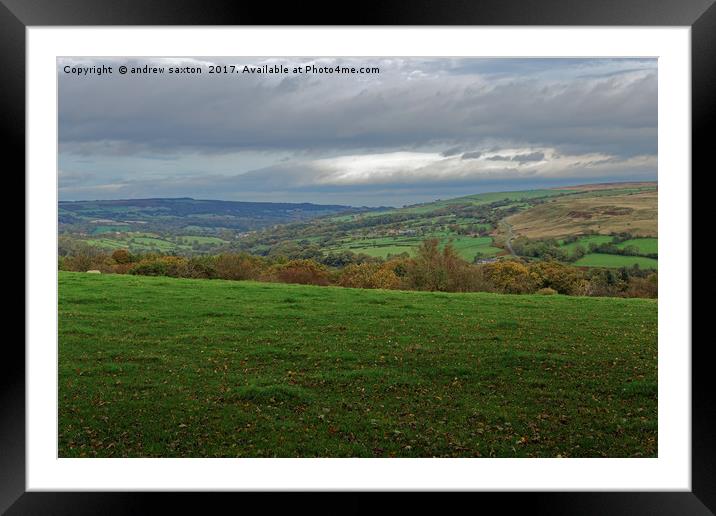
419 130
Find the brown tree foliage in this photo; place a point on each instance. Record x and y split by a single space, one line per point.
511 277
433 268
238 266
369 275
305 272
559 277
121 256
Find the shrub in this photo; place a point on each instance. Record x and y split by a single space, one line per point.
385 278
546 291
469 278
606 283
510 277
83 262
160 266
562 278
238 266
122 268
643 287
121 256
357 275
305 272
369 275
199 267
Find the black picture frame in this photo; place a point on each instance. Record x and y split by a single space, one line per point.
16 15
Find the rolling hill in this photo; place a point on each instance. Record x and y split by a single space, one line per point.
480 227
157 215
477 225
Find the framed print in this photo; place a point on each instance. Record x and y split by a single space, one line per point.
419 252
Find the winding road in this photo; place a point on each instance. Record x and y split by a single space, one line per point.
510 236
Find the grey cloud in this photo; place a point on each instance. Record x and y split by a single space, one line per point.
220 114
142 127
533 156
451 152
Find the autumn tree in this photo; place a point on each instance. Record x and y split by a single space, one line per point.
511 277
306 272
121 256
559 277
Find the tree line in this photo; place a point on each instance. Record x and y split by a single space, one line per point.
433 268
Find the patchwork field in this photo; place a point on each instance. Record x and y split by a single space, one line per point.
479 226
644 246
151 242
167 367
466 247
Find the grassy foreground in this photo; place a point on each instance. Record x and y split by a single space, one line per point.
207 368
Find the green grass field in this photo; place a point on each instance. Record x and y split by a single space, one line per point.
585 241
149 242
645 245
382 247
199 239
615 260
153 367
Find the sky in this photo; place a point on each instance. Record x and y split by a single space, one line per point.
420 129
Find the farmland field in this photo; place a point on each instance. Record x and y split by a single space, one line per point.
476 224
586 240
145 242
614 260
645 245
466 247
208 368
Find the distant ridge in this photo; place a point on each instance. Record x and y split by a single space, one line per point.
608 186
146 200
161 214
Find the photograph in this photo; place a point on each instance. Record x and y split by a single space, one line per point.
369 257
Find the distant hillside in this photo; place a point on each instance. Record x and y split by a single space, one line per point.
559 223
598 210
161 215
480 226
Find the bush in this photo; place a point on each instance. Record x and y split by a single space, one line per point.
305 272
469 278
369 275
511 277
121 256
122 268
562 278
357 276
546 291
643 287
606 283
238 266
201 267
160 266
86 261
